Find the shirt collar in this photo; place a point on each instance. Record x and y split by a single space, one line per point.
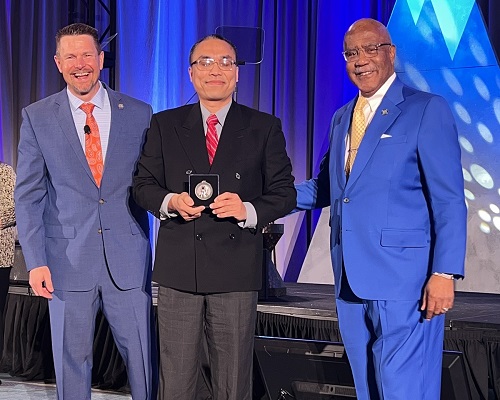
221 114
97 100
375 100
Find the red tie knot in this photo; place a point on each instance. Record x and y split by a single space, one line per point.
87 108
212 120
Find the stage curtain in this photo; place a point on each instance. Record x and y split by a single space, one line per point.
27 348
286 326
493 349
27 70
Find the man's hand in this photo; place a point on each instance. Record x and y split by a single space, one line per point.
229 205
438 296
41 282
182 204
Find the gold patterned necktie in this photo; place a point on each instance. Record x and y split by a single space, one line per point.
358 128
93 150
211 138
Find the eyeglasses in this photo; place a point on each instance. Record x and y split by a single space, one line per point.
207 63
370 51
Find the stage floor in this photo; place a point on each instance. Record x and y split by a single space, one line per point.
17 389
304 300
313 306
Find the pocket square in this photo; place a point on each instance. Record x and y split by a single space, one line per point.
385 136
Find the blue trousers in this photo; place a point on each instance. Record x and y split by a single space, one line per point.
394 353
72 321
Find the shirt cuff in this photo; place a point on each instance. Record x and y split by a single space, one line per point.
251 221
444 275
164 213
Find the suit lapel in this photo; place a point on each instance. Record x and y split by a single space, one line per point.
117 123
231 133
340 143
192 138
65 118
384 117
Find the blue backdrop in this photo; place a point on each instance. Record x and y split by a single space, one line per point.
301 79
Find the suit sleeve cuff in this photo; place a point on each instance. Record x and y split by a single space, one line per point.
251 221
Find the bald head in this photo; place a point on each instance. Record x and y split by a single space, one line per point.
371 55
368 25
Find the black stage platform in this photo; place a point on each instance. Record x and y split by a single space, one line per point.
471 310
307 311
472 327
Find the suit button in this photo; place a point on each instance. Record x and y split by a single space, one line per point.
346 200
101 201
99 231
199 236
231 236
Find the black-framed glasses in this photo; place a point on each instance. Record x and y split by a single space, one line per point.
207 63
370 50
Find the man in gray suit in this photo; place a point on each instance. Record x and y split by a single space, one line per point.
84 239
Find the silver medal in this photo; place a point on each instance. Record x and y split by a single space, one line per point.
203 190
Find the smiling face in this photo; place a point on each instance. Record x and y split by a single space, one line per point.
80 63
214 87
369 74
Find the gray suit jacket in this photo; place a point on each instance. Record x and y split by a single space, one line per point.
64 220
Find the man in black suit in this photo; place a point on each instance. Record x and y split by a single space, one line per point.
209 258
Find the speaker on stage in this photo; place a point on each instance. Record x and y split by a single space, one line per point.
454 382
317 370
303 369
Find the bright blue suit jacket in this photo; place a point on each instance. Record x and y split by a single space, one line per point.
401 215
64 220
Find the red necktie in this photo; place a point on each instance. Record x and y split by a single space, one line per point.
211 138
93 150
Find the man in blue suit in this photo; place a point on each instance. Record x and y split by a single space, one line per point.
84 239
398 222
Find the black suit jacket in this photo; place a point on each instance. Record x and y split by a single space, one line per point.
210 255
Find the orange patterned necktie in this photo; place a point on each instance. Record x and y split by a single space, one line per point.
211 138
93 150
358 128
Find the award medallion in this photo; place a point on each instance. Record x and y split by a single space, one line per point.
203 190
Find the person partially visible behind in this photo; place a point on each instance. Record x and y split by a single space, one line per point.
393 180
84 239
208 259
7 238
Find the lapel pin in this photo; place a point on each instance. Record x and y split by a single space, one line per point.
385 111
120 106
237 176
